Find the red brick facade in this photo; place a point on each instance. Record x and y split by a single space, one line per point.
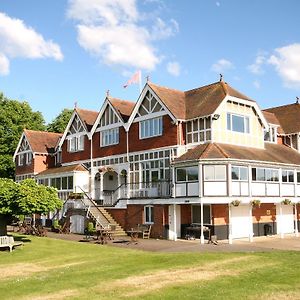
76 156
169 137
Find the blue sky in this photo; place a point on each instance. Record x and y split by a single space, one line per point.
56 52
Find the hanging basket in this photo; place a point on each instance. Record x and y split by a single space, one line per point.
235 202
286 202
255 203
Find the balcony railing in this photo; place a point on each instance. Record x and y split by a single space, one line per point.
140 190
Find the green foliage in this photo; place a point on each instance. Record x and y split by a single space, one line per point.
27 198
60 123
14 117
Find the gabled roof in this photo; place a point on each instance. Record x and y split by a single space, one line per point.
42 141
65 169
173 99
271 153
123 107
288 117
272 119
87 116
197 102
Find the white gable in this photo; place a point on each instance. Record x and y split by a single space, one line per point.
149 105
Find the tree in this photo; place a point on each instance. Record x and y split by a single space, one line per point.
14 117
25 198
60 123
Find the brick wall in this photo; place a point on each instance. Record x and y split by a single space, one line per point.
219 214
39 163
168 138
135 215
264 214
75 156
119 215
109 150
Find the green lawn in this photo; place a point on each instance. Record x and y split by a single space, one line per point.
54 269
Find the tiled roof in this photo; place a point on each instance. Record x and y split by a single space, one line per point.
173 99
198 102
272 119
88 116
288 116
64 169
271 153
42 141
124 107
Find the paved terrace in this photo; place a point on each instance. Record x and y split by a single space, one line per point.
259 244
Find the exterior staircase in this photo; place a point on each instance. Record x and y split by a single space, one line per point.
102 217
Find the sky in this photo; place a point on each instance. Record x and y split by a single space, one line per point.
55 53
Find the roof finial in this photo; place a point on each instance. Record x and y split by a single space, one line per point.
75 104
107 93
297 100
221 77
147 78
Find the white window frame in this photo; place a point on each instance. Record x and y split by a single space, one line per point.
230 124
265 179
150 128
239 173
214 168
20 159
187 174
288 177
197 131
149 214
109 137
76 143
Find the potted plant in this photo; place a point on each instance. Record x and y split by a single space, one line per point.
235 202
255 203
286 202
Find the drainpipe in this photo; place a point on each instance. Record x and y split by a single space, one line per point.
296 221
230 225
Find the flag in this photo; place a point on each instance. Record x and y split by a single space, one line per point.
136 78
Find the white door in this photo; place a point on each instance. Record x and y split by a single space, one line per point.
240 221
77 224
174 222
285 221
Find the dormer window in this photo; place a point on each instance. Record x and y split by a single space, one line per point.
76 143
150 128
109 137
238 123
270 135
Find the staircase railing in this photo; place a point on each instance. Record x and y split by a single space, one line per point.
95 212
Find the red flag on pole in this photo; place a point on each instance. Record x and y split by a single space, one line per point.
136 78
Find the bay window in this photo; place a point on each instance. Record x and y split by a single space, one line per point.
187 174
214 173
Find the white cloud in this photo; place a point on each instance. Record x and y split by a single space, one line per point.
119 45
4 64
286 61
161 30
222 65
256 84
112 31
19 40
256 67
173 68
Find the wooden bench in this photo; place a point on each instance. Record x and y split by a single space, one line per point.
8 242
145 229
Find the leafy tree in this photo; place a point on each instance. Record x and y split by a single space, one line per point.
60 123
14 117
25 198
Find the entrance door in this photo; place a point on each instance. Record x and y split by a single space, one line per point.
174 222
285 222
77 224
240 221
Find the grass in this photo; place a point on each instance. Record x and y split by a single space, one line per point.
55 269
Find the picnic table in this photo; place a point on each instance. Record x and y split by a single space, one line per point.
134 234
103 235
